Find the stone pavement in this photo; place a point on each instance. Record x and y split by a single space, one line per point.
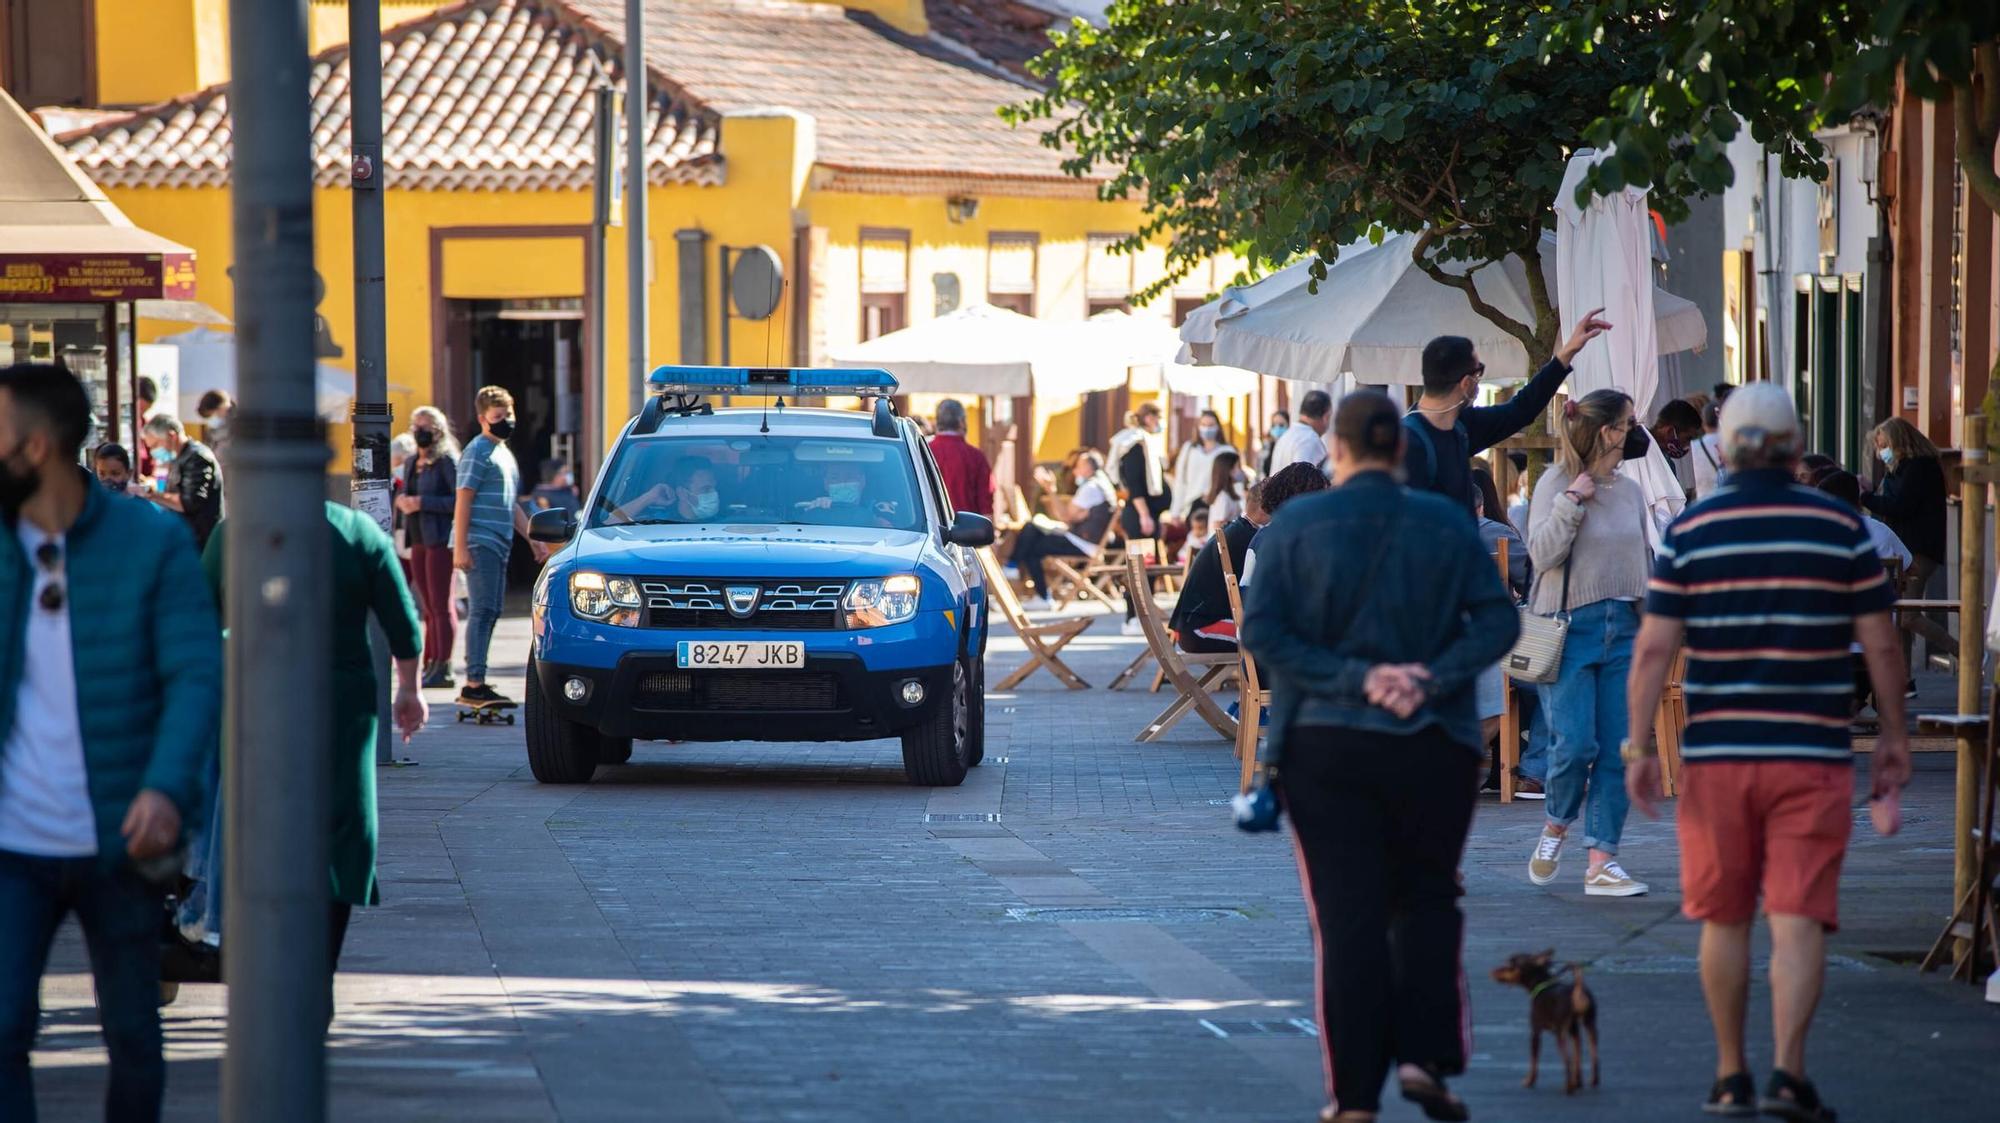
789 932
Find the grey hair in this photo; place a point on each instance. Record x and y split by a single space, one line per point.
165 424
1751 448
951 416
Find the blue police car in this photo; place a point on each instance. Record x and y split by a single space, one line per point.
760 573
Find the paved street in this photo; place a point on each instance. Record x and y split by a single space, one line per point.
745 932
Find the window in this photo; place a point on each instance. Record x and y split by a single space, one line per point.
1107 275
1010 271
811 481
48 52
885 281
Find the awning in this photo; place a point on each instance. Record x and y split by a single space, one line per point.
62 241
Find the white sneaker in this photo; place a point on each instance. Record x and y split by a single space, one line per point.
1612 881
1132 627
1547 858
1037 604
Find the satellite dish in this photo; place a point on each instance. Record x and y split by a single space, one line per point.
756 281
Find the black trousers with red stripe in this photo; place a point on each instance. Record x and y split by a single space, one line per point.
1380 821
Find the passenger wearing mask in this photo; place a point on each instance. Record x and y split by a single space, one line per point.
1194 465
194 478
689 495
429 499
1085 515
846 496
1911 499
1591 568
1373 612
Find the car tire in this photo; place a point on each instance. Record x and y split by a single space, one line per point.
936 753
975 718
559 752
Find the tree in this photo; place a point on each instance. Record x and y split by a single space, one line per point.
1787 68
1277 129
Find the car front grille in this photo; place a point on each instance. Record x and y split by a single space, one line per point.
790 692
704 604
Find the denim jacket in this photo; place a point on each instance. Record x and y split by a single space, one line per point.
436 484
1372 573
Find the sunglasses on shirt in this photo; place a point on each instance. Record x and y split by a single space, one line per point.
48 555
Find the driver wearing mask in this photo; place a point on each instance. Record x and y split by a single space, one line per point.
845 484
689 495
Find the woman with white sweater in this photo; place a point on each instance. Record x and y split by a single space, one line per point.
1195 465
1587 538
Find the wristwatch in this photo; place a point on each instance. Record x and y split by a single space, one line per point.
1631 753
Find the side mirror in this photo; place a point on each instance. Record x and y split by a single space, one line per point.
968 529
552 525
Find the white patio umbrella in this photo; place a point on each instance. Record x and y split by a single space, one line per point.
980 349
1148 341
208 362
1376 310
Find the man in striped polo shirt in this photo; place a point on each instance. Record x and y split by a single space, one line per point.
1767 583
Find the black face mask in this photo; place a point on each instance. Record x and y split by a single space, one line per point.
425 437
501 429
16 485
1636 443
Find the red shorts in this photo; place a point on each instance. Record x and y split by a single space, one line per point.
1779 827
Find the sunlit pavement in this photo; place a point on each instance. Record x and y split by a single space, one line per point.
782 932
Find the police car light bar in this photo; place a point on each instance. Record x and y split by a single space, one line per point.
795 381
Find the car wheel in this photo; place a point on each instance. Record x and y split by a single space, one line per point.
975 741
559 752
936 752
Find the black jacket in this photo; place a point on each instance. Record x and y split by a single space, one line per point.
1205 599
1132 477
1372 573
1435 459
436 484
1911 501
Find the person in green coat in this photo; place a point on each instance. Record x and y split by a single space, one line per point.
366 578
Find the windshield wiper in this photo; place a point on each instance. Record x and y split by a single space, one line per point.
650 522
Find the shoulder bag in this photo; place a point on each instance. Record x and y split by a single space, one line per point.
1538 653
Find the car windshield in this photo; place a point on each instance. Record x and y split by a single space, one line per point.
811 481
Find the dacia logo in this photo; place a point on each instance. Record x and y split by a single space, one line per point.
742 599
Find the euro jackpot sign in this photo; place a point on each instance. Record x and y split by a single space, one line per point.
95 278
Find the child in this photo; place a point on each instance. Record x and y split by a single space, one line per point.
1197 535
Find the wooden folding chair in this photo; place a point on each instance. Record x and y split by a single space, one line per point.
1070 575
1144 548
1252 696
1190 693
1044 640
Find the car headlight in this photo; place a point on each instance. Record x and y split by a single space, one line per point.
891 600
611 600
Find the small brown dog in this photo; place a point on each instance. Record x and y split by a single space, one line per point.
1563 1007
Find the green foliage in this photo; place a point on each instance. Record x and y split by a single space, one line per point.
1278 129
1787 68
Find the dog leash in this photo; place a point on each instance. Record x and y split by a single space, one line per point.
1535 991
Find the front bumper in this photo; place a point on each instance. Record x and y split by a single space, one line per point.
835 697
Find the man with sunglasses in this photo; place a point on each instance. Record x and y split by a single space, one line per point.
1447 430
98 773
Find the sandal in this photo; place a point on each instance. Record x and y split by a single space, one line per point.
1332 1114
1734 1094
1430 1094
1795 1098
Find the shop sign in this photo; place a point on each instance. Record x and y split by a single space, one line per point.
81 278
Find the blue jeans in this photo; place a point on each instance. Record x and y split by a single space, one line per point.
1535 758
486 594
1586 716
120 914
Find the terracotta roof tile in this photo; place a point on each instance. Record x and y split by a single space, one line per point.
884 101
1005 32
486 94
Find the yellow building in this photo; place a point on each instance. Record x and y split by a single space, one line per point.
862 149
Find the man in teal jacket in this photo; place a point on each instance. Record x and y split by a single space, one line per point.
110 699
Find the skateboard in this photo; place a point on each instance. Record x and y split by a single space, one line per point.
487 713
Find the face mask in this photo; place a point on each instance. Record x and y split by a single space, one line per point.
1674 447
425 437
501 429
1210 432
17 484
707 504
1635 443
845 494
1278 431
1888 456
163 456
115 483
